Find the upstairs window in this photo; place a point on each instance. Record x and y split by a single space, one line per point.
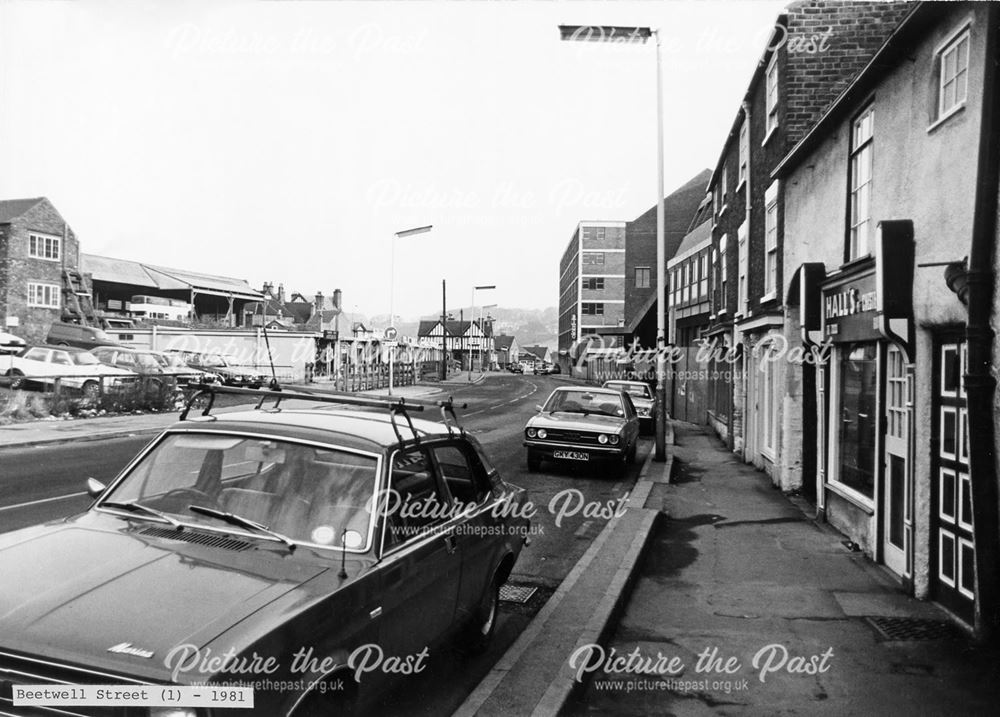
744 153
47 296
725 189
642 277
862 140
593 257
703 276
772 96
594 283
42 246
771 240
592 309
953 75
742 295
723 274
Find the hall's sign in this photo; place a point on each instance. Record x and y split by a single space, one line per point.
849 303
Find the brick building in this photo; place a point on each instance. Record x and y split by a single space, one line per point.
814 52
36 246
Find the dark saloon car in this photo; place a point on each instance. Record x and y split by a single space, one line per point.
228 370
301 536
582 425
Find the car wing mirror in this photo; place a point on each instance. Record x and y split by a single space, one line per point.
95 488
538 408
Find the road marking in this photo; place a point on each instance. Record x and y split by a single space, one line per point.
582 530
505 403
40 501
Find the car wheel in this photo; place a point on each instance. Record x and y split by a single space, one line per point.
91 390
479 632
16 379
534 460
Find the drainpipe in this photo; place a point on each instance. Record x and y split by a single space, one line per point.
980 383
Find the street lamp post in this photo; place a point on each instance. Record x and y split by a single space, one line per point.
625 35
482 327
392 289
473 322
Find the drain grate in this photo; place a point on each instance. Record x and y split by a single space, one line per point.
911 629
516 593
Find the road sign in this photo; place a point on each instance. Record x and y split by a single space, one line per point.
390 333
390 344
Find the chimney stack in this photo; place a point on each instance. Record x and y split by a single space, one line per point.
281 293
318 302
336 298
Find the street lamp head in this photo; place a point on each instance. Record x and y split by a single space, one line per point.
415 230
604 33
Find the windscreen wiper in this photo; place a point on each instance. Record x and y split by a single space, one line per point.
134 507
239 520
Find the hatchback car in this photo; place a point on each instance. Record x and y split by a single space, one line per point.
64 333
267 533
229 371
139 361
581 425
175 366
642 398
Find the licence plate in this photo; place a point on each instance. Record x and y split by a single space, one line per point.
571 455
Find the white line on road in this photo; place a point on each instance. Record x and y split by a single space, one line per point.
505 403
40 501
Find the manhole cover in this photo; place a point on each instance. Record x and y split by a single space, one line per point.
516 593
909 628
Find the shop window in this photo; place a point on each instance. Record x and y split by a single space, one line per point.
858 417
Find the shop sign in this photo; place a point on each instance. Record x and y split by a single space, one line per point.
850 310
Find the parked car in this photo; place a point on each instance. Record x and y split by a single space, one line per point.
642 398
266 534
174 365
583 425
139 361
229 371
515 368
63 333
80 370
11 344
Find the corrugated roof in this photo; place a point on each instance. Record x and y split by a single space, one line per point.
13 208
123 271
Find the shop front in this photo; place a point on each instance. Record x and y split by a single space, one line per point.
865 398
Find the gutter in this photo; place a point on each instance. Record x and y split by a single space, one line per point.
980 382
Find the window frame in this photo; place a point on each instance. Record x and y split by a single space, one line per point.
771 103
952 43
56 290
744 159
46 240
863 150
648 273
771 242
593 255
742 270
723 273
598 283
598 308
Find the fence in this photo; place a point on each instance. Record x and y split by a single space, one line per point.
66 393
362 377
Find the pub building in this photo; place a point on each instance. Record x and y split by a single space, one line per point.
890 226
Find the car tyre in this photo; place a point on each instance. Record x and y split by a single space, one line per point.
479 632
91 390
16 379
534 461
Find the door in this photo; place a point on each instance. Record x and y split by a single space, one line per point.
421 565
952 547
897 519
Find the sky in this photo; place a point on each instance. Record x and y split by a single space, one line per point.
288 141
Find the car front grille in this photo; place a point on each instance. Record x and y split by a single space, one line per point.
558 434
17 670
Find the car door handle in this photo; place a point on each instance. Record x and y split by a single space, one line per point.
375 613
450 544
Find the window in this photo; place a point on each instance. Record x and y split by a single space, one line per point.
594 283
715 279
862 138
723 274
675 287
44 295
589 308
464 476
421 503
685 282
41 246
725 189
953 71
771 241
857 390
772 96
742 296
642 277
703 276
593 257
769 400
744 153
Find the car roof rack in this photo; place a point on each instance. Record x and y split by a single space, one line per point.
397 405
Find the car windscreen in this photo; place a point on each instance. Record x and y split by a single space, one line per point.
632 389
317 495
84 358
212 360
585 402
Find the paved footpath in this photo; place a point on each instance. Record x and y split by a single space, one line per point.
737 566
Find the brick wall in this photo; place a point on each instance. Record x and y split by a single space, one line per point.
18 268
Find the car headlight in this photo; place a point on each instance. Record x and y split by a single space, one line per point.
614 440
602 439
532 432
542 433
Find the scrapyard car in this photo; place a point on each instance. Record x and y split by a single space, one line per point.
581 425
642 399
267 535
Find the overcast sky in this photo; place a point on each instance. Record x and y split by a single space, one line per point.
288 141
